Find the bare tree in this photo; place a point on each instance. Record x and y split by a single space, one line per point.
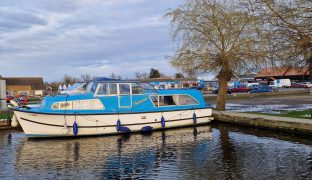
214 36
288 23
141 75
67 79
85 77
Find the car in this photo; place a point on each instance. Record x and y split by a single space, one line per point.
240 89
9 98
23 99
299 85
307 83
215 90
262 88
252 87
197 87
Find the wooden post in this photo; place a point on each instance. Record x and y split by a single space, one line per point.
3 103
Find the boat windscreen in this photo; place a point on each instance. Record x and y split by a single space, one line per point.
75 86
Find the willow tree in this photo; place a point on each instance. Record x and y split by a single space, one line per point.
289 24
215 36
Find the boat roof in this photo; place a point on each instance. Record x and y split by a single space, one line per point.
109 80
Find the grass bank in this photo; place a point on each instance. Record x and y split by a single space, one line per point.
303 114
5 114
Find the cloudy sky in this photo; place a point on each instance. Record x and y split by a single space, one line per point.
50 38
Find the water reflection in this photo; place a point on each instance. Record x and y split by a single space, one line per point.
221 152
109 157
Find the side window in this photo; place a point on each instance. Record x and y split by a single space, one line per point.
103 89
124 89
91 104
112 89
56 106
93 87
137 89
186 100
167 100
154 100
173 100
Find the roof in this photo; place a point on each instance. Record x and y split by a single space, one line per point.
247 76
283 71
104 79
109 80
167 79
36 83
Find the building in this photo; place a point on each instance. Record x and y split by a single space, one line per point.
25 85
284 72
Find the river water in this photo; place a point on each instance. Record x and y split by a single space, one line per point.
207 152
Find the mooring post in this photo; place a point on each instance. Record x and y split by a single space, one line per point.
3 103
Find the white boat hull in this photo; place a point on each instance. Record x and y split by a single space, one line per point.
52 125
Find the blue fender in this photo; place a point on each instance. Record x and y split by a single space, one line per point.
124 129
75 128
146 129
194 119
121 128
163 122
118 125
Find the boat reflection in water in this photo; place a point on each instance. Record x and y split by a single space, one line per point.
123 156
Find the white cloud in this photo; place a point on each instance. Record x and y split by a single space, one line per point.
83 36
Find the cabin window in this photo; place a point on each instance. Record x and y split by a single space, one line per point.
93 87
91 104
173 100
124 89
76 105
112 89
154 100
66 105
102 90
137 89
186 100
56 106
166 100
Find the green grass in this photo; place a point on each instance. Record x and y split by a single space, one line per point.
4 115
304 114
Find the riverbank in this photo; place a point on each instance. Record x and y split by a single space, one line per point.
210 97
302 114
286 124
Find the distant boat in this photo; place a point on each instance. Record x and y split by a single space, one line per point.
60 88
102 107
64 87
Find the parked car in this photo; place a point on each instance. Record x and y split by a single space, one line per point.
215 90
197 88
23 99
307 83
262 88
252 87
240 89
299 85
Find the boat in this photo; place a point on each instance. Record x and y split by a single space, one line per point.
107 106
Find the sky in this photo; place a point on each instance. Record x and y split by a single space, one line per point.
50 38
